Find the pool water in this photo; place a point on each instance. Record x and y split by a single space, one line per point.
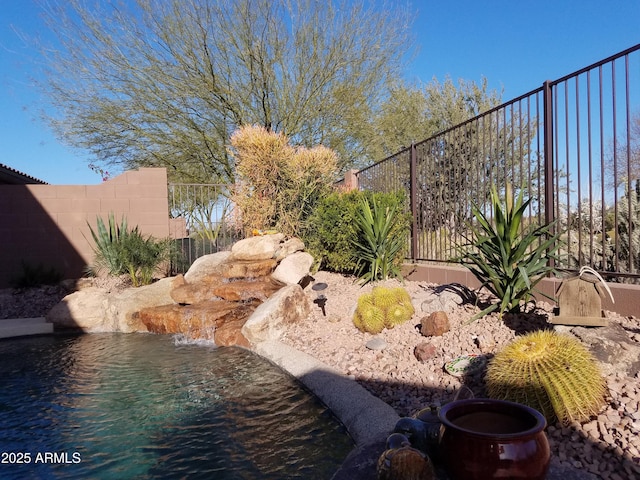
124 406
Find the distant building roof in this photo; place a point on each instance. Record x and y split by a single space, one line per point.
11 176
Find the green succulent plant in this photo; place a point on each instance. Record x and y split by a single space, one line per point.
382 308
553 373
380 241
508 258
120 250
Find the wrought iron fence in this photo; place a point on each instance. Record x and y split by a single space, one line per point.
202 221
572 146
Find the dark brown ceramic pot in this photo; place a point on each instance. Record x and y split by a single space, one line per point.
485 439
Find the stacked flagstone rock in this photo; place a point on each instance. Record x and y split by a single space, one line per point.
236 297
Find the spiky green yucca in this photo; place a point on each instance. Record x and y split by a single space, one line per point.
508 258
555 374
382 308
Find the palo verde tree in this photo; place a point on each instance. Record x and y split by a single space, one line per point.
166 82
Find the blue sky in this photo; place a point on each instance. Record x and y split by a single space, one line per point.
514 44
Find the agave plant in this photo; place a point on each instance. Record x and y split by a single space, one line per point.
507 258
379 242
108 241
119 250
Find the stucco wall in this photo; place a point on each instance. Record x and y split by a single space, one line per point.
47 224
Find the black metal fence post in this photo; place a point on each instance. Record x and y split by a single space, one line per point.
549 213
413 200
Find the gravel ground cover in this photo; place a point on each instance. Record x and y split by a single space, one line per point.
608 445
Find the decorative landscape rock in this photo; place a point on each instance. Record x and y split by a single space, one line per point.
445 298
203 266
424 351
288 247
293 268
288 305
213 300
376 343
189 293
261 247
95 310
612 346
83 309
435 325
123 306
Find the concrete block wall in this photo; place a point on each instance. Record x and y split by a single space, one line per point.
47 224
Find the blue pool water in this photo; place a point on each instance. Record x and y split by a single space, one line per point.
124 406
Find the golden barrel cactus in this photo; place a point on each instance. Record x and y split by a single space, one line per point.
382 308
553 373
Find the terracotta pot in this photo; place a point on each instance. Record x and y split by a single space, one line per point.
485 438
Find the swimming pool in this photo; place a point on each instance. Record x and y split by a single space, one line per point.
115 406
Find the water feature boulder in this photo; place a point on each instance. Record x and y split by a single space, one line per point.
202 266
96 310
293 268
214 300
83 310
287 305
261 247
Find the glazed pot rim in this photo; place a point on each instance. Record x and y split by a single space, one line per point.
499 406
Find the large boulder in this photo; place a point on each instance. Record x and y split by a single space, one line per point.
286 306
246 268
123 306
204 266
444 298
288 247
84 310
261 247
616 352
96 310
293 268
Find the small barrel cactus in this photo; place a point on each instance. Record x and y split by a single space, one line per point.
368 316
553 373
382 308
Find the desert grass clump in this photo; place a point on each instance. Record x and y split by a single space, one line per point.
382 308
553 373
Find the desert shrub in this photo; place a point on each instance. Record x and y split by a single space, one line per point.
331 228
35 276
119 250
278 185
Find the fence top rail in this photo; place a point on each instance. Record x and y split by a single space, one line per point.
597 64
510 102
383 160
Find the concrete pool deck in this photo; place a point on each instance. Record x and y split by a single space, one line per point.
368 419
21 327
